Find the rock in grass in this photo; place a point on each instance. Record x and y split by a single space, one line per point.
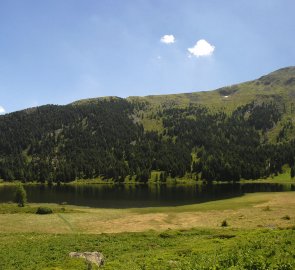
91 257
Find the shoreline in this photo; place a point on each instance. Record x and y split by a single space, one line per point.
173 182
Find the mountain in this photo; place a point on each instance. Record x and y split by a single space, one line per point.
240 131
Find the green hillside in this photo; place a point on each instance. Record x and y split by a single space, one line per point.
278 87
243 131
279 83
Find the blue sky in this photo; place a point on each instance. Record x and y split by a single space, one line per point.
58 51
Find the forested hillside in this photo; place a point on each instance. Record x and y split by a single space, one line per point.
243 131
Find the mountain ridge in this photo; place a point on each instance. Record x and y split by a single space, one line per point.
231 88
288 72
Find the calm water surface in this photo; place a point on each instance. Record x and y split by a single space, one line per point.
123 196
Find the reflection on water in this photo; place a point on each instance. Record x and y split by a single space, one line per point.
123 196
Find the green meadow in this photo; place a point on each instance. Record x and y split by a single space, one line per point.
259 234
171 249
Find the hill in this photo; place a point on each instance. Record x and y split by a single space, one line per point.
240 131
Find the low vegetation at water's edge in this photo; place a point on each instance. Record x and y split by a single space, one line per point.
9 208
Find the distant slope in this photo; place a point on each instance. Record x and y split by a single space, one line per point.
241 131
279 83
278 87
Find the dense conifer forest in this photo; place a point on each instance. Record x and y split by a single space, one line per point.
240 132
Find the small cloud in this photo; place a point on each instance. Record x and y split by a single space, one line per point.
2 110
168 39
202 48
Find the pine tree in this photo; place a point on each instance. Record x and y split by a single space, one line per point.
292 171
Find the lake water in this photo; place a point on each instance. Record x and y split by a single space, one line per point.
123 196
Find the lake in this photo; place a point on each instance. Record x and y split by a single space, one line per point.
124 196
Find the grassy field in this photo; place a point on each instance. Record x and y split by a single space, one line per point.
250 211
284 177
260 235
172 249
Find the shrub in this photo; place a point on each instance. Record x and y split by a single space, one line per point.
165 235
224 223
267 208
20 196
286 217
44 211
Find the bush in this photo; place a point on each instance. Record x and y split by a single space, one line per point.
44 211
165 235
286 217
267 208
20 196
224 223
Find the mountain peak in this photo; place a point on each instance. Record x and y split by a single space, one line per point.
289 70
284 76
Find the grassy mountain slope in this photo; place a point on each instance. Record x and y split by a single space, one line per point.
278 86
279 83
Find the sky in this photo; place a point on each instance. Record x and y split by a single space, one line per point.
59 51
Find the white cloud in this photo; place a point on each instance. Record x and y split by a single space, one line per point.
202 48
168 39
2 110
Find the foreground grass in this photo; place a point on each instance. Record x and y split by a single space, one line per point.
260 235
172 249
